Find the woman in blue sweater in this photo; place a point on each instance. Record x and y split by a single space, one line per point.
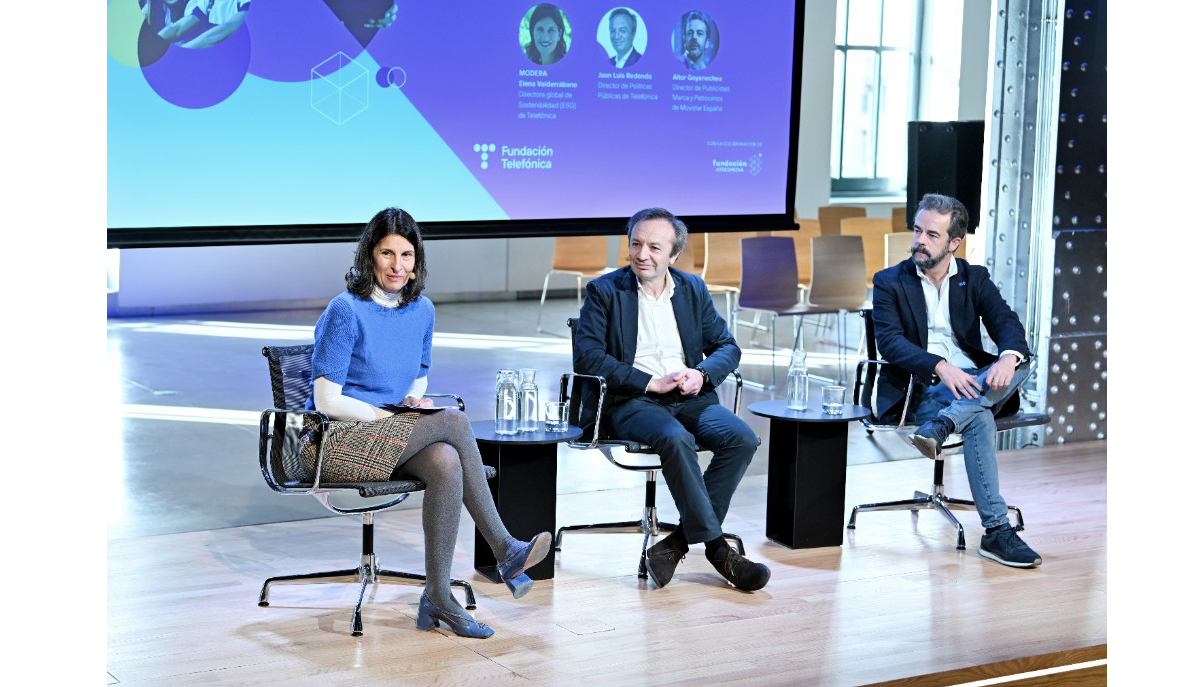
372 348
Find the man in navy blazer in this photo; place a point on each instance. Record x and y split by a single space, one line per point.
927 311
652 332
622 29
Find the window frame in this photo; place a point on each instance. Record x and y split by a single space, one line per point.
874 185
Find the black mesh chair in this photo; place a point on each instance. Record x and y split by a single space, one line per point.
281 436
1007 417
585 395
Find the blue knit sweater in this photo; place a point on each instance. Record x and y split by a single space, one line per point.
374 352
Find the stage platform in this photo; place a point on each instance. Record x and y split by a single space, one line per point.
895 604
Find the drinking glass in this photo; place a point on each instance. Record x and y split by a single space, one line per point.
556 416
832 399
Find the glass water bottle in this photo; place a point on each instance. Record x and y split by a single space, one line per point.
799 382
528 395
507 403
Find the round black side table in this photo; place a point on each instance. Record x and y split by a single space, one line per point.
807 473
524 488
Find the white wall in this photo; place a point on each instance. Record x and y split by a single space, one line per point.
974 59
182 280
817 99
226 278
176 280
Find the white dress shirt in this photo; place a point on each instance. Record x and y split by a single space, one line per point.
217 11
941 340
658 350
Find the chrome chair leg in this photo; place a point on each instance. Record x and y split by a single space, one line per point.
947 513
923 501
368 572
367 576
651 518
913 504
737 540
643 555
468 592
772 343
311 577
966 504
649 524
636 525
542 302
1019 527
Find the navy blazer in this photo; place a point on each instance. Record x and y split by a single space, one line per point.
607 332
899 315
634 57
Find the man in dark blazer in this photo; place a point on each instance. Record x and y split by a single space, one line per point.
652 332
622 29
927 312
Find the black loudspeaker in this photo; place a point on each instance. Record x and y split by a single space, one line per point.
946 158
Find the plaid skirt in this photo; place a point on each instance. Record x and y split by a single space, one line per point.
354 451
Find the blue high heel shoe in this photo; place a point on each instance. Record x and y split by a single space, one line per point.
428 616
513 569
520 585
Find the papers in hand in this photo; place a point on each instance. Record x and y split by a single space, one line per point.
400 408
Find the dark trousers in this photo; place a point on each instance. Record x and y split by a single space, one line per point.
674 426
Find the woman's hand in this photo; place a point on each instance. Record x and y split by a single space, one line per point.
417 402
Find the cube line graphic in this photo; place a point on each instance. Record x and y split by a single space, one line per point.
338 88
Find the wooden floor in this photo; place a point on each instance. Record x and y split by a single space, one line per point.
897 601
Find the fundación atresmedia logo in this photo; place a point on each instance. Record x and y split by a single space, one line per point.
751 165
523 157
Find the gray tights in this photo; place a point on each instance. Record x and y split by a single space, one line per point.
442 452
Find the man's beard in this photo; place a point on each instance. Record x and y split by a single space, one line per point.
929 261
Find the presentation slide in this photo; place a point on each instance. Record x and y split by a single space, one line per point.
226 113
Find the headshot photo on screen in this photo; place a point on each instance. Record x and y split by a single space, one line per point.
695 40
195 23
623 35
545 34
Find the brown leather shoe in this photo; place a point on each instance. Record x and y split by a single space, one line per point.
741 572
661 561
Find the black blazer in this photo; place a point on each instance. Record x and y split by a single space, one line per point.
899 315
607 332
634 57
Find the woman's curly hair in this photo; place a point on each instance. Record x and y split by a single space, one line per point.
360 278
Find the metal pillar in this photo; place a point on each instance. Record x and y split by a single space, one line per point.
1016 200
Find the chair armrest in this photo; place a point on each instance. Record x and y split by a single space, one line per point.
859 382
855 391
564 397
738 389
265 436
458 399
1029 362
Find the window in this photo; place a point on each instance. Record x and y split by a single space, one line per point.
875 95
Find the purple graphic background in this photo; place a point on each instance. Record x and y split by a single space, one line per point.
463 61
198 78
641 152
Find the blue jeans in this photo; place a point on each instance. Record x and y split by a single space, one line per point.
973 418
674 426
